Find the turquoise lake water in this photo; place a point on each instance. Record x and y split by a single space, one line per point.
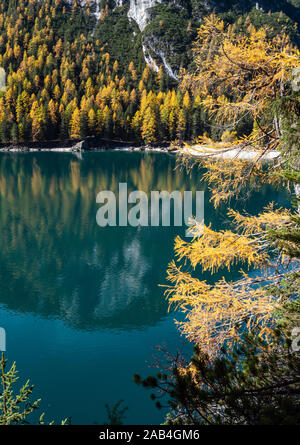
81 304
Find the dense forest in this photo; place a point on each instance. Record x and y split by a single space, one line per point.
228 80
69 76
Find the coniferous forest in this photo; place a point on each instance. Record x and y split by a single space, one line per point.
92 273
71 77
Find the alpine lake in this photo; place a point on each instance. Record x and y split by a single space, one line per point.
81 304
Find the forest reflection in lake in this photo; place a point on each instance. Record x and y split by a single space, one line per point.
79 301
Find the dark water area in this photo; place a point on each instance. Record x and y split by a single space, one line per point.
81 305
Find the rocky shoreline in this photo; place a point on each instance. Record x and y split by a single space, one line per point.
81 146
231 153
85 146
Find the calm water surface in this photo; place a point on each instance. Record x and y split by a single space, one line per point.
81 304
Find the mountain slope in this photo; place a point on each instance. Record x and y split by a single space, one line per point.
165 29
77 68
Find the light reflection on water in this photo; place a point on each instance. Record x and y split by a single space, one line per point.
81 304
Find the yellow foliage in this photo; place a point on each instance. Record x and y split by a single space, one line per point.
215 250
215 313
227 178
271 218
237 76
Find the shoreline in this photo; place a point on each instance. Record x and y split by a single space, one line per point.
229 153
195 151
71 150
82 147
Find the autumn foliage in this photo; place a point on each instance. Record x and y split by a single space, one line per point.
237 75
240 76
62 83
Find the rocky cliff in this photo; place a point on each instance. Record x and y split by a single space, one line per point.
166 28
